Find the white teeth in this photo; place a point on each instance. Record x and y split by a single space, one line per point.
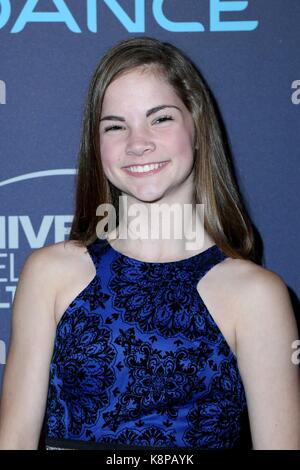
145 168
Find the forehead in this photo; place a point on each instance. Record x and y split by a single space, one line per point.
139 85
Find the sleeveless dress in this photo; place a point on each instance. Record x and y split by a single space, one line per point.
139 362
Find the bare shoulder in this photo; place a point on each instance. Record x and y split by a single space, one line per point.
248 280
58 257
56 264
259 296
61 270
59 252
242 280
244 271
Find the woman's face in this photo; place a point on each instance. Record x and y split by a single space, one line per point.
143 122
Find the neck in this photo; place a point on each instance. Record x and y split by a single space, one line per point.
160 229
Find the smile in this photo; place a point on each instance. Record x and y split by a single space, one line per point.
149 169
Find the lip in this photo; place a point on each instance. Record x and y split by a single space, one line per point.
146 173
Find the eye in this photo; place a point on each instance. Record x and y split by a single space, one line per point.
113 128
163 119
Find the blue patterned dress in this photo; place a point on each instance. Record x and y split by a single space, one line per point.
138 361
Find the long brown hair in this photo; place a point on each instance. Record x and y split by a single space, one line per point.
225 217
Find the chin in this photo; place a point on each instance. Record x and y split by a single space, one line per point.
143 195
148 198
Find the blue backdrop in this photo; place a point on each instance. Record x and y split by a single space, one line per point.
246 50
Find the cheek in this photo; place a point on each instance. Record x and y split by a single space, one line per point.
108 154
184 146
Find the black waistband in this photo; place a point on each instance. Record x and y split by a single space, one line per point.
68 444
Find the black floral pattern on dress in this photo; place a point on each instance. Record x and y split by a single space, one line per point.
92 296
161 297
152 436
158 381
56 412
216 420
81 369
138 359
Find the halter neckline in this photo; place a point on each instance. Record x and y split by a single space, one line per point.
203 254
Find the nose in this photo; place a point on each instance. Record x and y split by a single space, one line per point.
139 143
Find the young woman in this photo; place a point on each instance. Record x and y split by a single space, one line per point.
140 341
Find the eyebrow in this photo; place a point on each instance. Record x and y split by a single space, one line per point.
148 113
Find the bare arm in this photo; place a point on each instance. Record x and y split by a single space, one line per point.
265 333
26 373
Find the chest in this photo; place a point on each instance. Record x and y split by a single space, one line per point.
172 303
